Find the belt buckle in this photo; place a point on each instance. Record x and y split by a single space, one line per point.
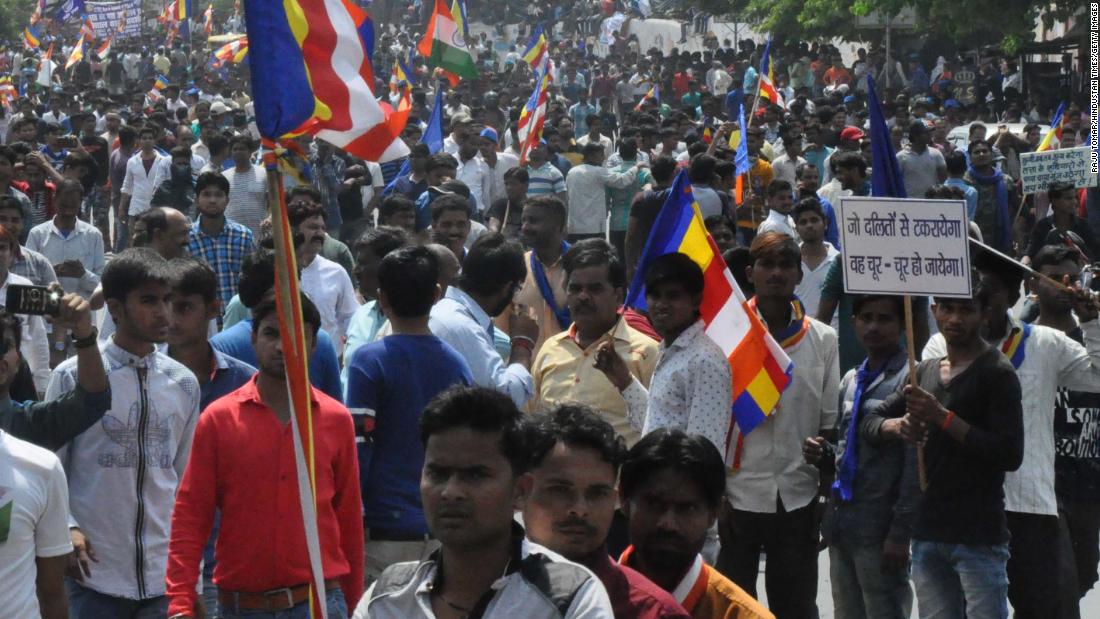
284 591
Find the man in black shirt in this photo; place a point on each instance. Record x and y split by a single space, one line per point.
967 409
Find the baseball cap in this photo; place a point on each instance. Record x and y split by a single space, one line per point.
851 133
490 134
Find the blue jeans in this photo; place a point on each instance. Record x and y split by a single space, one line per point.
957 581
334 601
862 589
85 603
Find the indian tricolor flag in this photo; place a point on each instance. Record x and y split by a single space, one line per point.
445 46
761 369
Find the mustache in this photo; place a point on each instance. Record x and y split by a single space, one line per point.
578 523
667 536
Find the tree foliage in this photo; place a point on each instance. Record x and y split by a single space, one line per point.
969 23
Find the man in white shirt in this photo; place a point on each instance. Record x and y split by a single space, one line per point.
817 255
473 171
325 282
34 515
140 180
691 387
595 124
1045 359
498 162
785 165
718 79
247 186
73 247
774 489
587 185
780 205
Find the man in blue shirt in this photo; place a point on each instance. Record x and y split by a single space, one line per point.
194 304
389 383
258 277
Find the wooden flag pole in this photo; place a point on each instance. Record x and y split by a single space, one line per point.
912 350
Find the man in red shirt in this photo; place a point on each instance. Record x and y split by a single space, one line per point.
572 502
243 464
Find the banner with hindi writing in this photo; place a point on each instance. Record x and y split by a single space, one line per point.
894 246
1070 165
108 16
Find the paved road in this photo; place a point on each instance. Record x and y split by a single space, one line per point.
1090 606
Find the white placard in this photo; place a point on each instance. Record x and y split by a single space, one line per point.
1070 165
894 246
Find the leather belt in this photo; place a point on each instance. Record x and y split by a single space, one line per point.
271 601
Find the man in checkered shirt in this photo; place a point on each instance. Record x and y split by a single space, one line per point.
222 243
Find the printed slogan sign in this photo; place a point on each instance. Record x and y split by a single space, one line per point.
894 246
1070 165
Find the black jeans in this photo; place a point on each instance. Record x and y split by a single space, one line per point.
790 541
1080 528
1033 565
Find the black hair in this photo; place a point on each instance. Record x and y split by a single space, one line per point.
777 245
1054 255
575 425
595 253
779 186
519 174
592 148
242 138
1008 274
194 276
441 160
126 135
809 204
551 203
7 153
701 169
628 149
677 268
692 455
132 269
215 179
491 263
257 277
394 203
449 202
944 192
976 143
1058 188
481 410
11 202
297 213
848 160
663 168
898 302
269 305
409 277
801 168
956 162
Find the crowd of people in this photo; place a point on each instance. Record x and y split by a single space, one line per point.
495 433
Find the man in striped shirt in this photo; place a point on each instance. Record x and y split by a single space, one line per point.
220 242
545 179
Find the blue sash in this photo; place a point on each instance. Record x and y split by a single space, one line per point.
561 313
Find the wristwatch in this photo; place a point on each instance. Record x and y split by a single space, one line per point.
85 342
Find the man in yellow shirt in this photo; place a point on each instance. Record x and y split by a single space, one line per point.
564 370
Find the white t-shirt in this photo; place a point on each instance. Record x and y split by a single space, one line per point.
34 502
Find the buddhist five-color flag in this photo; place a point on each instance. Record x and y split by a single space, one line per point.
77 54
533 116
654 94
311 73
445 46
8 93
767 77
233 51
1055 132
87 29
31 38
538 50
45 67
761 369
183 10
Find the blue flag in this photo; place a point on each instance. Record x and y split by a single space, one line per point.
886 177
67 9
432 136
741 156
